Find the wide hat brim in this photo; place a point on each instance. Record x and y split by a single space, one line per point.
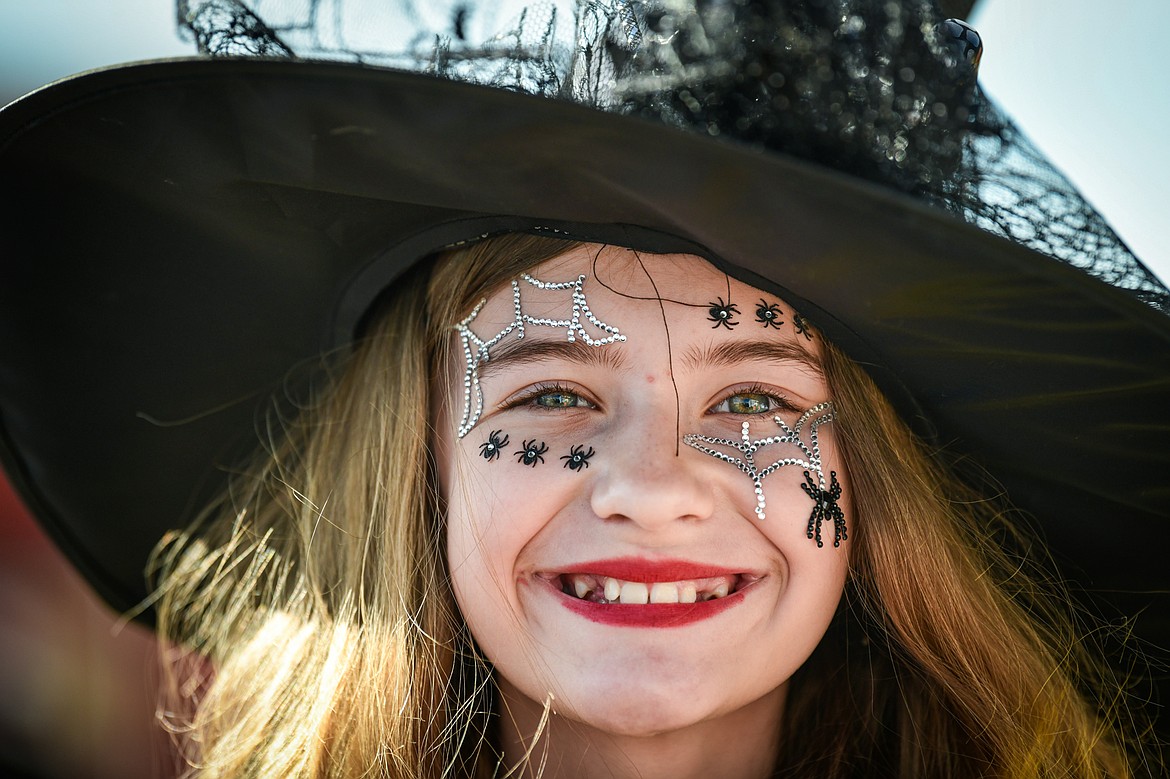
180 236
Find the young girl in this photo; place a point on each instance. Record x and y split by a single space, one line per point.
634 452
545 556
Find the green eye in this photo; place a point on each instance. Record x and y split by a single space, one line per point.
557 399
551 397
749 403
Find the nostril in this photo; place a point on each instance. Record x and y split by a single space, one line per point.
641 483
656 495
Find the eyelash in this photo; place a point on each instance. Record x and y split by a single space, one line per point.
778 402
529 397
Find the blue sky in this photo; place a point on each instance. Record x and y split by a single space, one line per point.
1086 81
1083 78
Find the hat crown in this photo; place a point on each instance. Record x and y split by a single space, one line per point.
881 91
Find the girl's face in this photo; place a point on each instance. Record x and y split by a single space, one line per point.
603 545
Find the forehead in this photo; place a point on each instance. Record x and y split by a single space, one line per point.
627 272
625 288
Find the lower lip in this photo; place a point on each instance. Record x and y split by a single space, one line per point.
651 615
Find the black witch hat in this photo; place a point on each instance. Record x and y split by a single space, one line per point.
180 235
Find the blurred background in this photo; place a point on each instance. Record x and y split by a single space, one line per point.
1083 78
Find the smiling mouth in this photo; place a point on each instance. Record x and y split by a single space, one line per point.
595 588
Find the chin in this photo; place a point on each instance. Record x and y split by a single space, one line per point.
638 718
622 706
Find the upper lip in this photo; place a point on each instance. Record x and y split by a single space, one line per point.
637 569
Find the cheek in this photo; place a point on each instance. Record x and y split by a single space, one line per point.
496 510
484 532
815 576
480 558
823 496
504 486
822 569
496 513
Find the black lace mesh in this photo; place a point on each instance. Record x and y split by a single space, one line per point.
872 87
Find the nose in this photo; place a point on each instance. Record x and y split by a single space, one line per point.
651 481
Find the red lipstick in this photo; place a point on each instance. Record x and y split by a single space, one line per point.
711 584
636 569
652 615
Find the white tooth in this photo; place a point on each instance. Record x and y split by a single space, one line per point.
688 593
636 593
612 590
580 587
664 592
720 590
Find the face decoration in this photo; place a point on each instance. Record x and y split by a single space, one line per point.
490 449
801 326
722 314
577 458
639 561
532 453
473 407
825 507
825 496
769 314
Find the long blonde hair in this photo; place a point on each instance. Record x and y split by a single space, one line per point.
311 631
952 655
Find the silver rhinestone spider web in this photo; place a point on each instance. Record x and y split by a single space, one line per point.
476 350
810 458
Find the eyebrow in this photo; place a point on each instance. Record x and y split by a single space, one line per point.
736 352
527 351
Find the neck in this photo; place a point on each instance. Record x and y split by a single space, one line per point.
742 744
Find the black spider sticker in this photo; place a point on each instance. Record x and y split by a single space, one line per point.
801 326
825 507
490 449
721 314
577 458
769 314
531 453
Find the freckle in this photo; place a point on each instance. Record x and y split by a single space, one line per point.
649 379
